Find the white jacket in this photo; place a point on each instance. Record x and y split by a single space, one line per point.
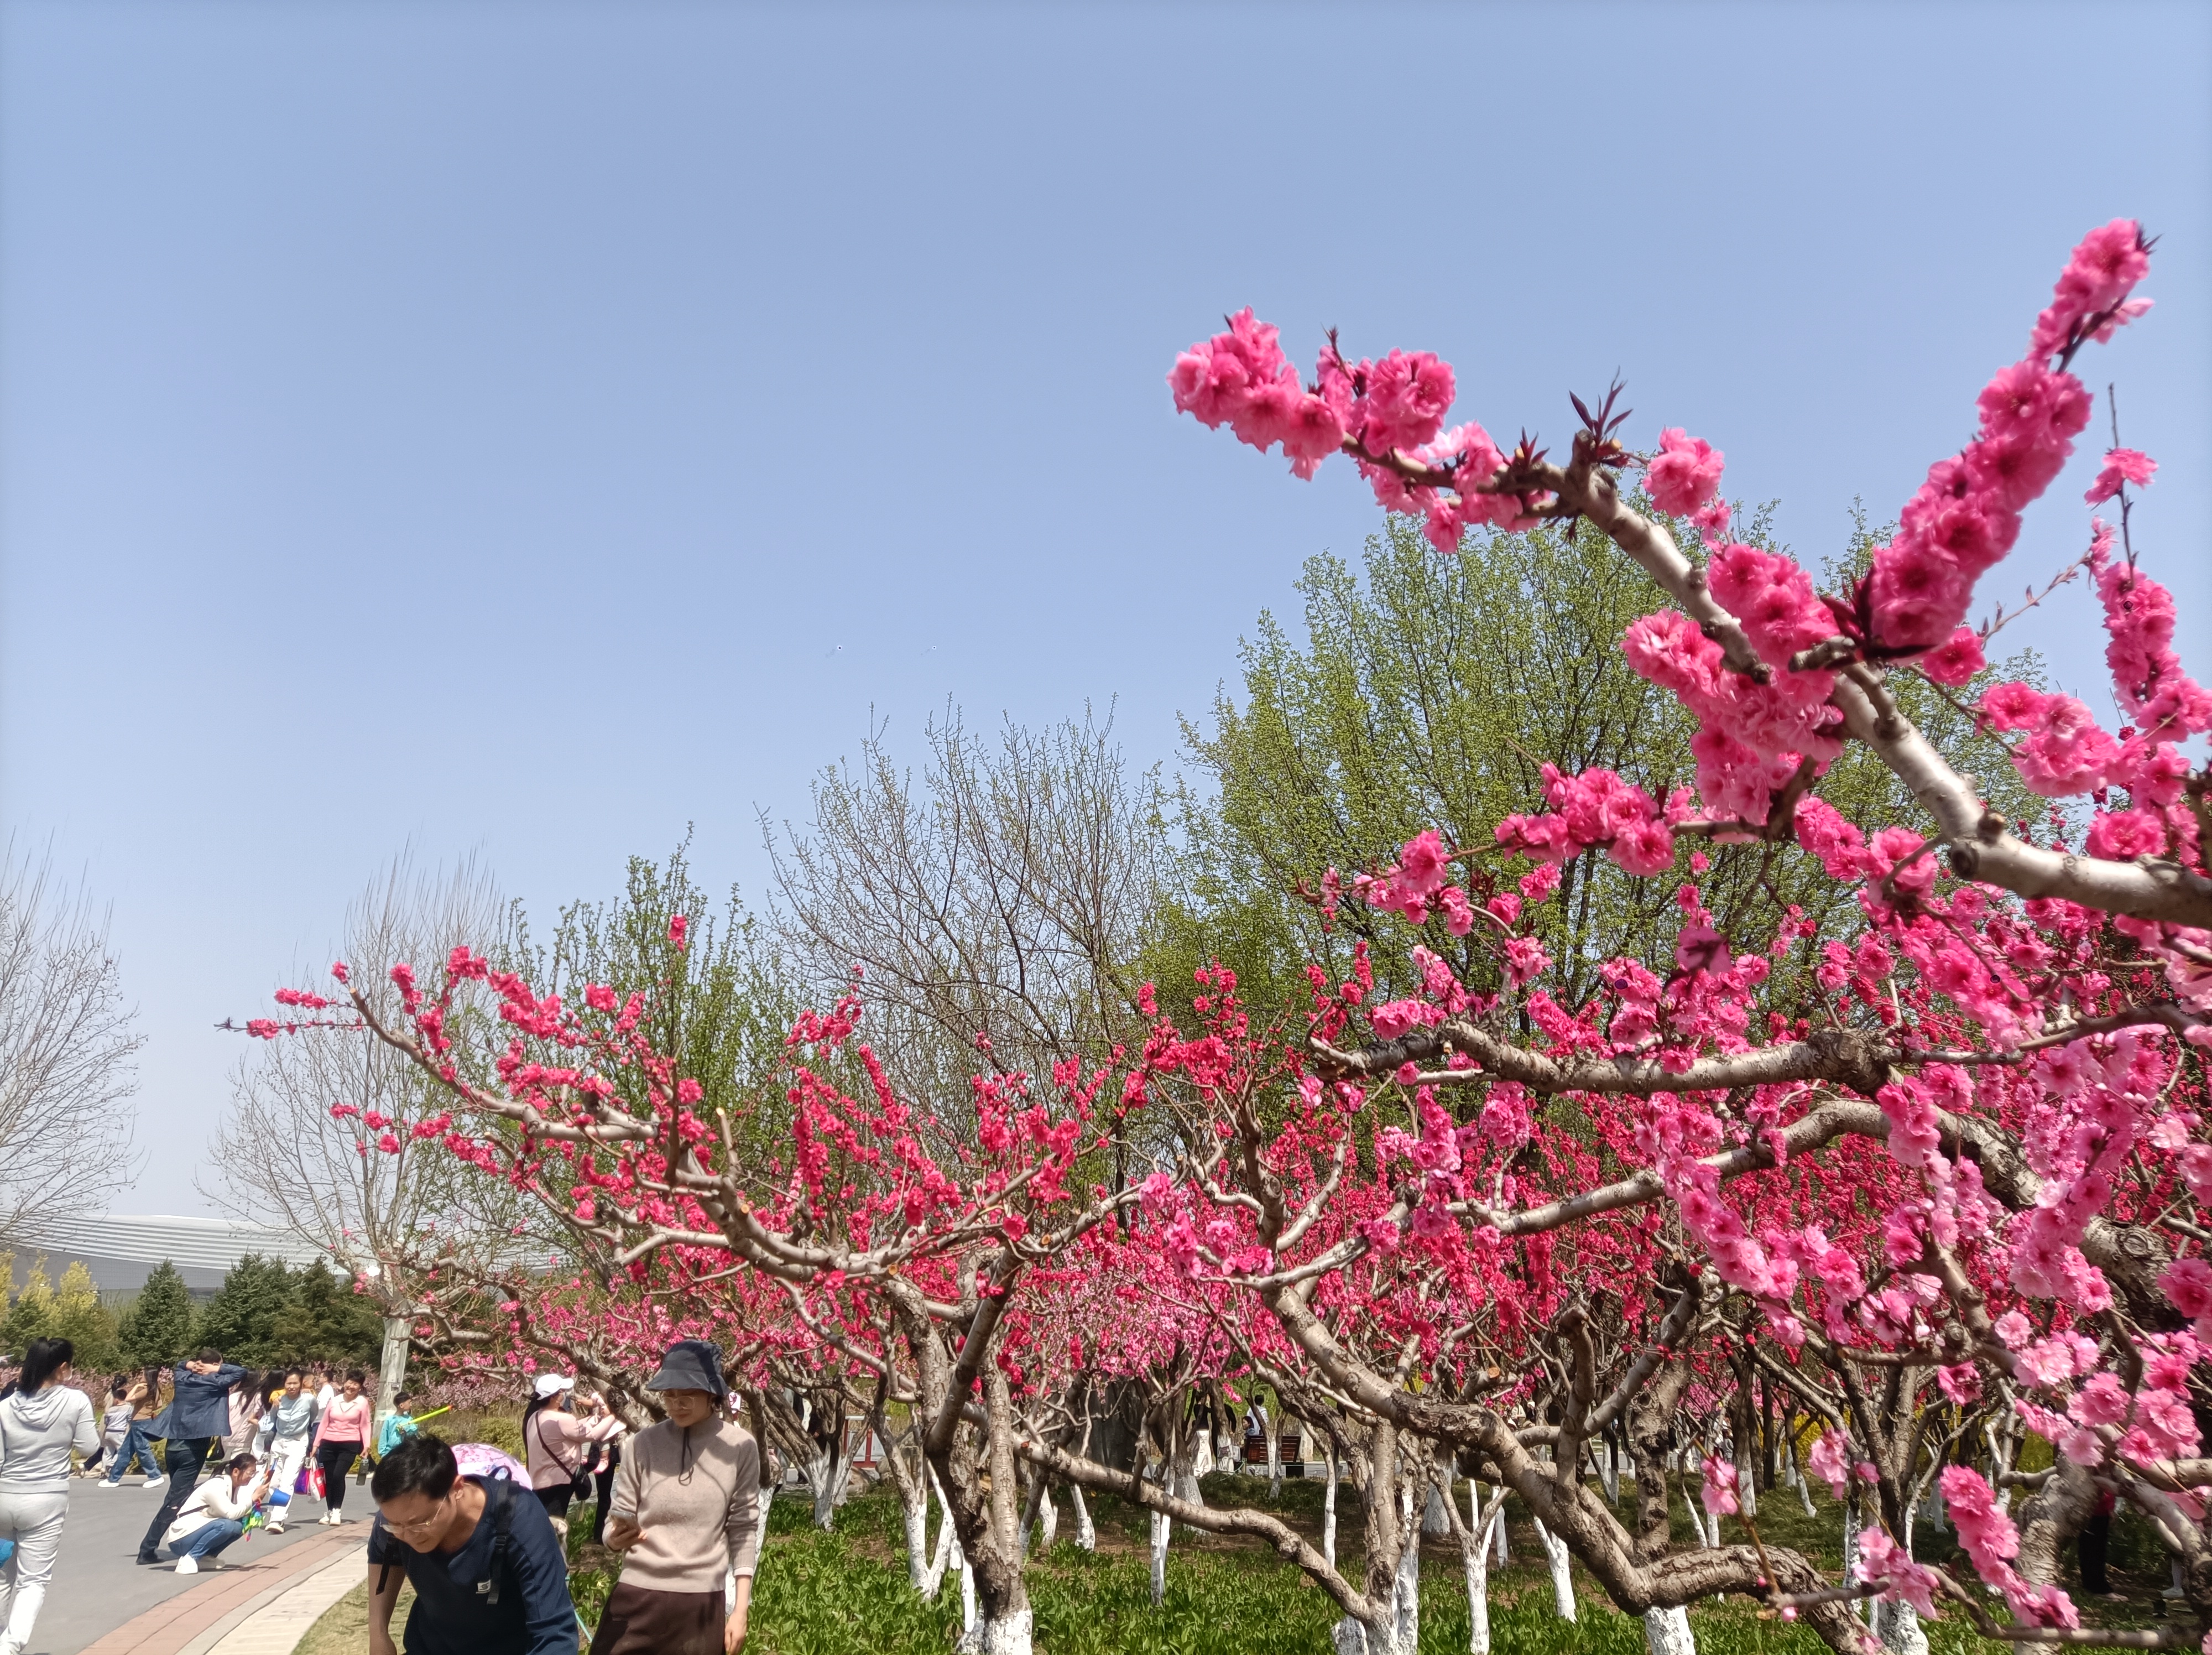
212 1500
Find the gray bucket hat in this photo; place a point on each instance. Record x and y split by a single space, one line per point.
691 1365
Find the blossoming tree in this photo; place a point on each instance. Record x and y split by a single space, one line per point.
2007 1025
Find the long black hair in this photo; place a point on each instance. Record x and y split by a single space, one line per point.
39 1362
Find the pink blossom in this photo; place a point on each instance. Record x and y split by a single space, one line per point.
1684 474
1538 883
1719 1491
2122 836
1956 660
1883 1562
2102 1401
2121 465
1422 863
1408 393
1524 958
2067 753
1962 1383
1395 1017
2187 1285
1459 915
1830 1461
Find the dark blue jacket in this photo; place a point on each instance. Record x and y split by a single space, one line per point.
201 1406
454 1614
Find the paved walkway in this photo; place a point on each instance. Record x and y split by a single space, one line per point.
102 1602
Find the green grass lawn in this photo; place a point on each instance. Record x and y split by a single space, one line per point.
845 1592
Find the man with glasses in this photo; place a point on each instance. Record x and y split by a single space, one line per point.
488 1571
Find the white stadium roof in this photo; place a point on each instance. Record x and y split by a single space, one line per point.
120 1248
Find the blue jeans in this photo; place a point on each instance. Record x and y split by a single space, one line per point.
137 1446
208 1539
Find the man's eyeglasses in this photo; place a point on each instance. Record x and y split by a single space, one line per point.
421 1524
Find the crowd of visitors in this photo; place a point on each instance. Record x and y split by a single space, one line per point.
483 1548
480 1535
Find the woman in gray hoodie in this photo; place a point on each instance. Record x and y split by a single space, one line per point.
39 1425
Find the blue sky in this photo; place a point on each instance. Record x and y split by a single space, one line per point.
532 429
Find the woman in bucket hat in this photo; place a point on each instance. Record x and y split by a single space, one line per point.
686 1518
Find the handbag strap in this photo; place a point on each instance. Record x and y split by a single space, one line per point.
537 1427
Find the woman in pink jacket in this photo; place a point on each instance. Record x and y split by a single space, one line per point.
339 1435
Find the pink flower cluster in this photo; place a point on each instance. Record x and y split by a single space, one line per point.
1719 1491
1991 1541
2065 752
1751 735
1241 378
1390 413
1684 479
2079 1134
1966 515
1594 808
1420 881
2121 466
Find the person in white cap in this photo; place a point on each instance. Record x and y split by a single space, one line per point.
560 1446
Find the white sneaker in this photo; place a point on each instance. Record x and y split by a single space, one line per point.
154 1485
277 1527
188 1566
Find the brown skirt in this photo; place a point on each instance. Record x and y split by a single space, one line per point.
640 1621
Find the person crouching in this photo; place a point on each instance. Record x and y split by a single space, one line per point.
214 1514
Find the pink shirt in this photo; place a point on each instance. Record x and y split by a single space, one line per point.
345 1421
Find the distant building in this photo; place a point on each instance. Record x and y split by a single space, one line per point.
122 1250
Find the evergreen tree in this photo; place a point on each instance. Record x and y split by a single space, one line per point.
81 1318
32 1316
328 1322
240 1320
158 1329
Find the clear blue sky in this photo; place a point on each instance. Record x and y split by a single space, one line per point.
531 428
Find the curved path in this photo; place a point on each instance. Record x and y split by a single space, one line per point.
102 1602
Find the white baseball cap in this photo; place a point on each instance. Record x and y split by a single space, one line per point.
552 1384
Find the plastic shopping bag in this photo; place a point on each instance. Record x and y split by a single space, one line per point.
311 1481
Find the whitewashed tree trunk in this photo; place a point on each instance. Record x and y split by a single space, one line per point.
1747 1479
391 1371
1161 1526
1329 1510
1436 1522
1898 1626
1852 1547
1408 1599
1474 1560
1797 1476
1609 1469
1698 1518
1502 1558
1408 1596
1047 1523
1562 1566
967 1591
1666 1631
1035 1498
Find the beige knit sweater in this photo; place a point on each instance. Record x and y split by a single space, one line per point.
694 1496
